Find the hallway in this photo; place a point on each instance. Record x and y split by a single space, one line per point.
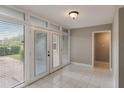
76 76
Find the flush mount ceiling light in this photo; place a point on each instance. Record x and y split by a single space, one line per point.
73 14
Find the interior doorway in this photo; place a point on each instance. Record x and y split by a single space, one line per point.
101 49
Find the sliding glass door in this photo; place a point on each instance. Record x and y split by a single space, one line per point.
11 54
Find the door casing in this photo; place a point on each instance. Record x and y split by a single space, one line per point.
110 64
51 51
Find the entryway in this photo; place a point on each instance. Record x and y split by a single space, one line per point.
45 52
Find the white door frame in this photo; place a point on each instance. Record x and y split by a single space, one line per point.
50 69
32 68
51 53
94 32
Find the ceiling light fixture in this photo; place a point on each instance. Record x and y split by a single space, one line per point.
73 14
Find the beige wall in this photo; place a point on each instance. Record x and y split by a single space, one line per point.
118 47
101 46
121 47
81 43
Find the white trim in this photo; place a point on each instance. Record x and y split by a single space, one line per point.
13 19
69 45
77 63
109 47
25 11
34 77
53 69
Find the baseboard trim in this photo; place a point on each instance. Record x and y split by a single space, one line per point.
86 65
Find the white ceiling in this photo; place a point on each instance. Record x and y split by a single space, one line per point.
89 15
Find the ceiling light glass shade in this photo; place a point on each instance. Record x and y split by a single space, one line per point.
73 14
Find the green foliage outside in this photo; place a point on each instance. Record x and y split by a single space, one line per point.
9 50
12 48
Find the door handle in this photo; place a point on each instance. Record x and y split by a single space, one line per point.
48 53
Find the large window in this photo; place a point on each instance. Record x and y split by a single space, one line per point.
11 54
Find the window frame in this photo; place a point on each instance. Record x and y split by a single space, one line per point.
13 20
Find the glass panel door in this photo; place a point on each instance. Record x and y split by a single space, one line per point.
55 51
40 52
45 53
40 65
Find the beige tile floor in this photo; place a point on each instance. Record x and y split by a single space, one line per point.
76 76
101 64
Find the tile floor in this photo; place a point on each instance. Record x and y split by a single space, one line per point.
101 64
76 76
